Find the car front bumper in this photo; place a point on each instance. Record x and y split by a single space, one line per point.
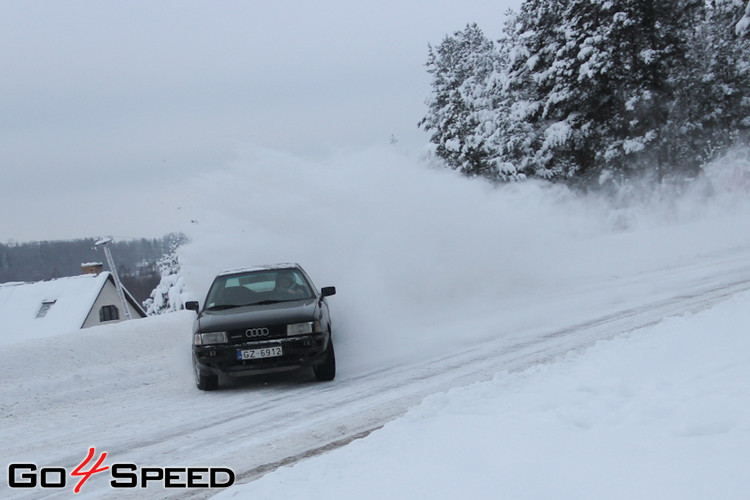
304 350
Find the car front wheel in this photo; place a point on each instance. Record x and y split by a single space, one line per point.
205 382
327 369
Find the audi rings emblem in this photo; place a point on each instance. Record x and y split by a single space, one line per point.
257 332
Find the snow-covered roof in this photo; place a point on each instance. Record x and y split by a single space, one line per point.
68 303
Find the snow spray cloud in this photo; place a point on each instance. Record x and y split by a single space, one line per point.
412 250
721 188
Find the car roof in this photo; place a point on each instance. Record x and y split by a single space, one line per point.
268 267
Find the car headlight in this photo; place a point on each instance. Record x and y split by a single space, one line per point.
303 328
210 338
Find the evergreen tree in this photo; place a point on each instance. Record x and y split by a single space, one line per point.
597 73
534 126
742 28
718 91
168 294
591 91
460 109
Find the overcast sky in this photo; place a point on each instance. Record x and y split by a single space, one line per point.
105 104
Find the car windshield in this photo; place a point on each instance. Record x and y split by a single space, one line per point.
258 287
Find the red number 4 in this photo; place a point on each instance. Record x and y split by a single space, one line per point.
85 474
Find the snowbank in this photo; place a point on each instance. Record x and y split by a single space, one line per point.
661 413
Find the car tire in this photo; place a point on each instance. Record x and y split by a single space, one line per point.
203 381
326 371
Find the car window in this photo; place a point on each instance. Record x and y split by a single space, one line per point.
259 282
258 286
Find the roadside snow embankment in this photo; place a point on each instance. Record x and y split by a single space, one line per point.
660 413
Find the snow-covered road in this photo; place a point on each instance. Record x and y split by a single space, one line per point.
127 389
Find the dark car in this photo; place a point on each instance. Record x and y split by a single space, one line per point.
262 320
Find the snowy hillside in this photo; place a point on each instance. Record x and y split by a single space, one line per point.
442 282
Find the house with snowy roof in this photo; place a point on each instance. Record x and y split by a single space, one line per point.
46 308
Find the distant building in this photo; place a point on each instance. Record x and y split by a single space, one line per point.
64 304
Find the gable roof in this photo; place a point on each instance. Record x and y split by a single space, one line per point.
73 297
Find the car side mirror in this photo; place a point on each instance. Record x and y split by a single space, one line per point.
192 305
327 291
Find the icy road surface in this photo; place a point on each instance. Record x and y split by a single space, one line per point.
127 389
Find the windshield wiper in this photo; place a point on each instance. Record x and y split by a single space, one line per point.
221 307
271 301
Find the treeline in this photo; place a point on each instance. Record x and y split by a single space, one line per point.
136 260
593 92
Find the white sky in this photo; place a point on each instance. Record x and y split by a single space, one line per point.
104 104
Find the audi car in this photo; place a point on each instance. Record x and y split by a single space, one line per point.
261 320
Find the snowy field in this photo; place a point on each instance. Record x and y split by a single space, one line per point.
604 348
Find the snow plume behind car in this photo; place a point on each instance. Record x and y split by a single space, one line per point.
416 251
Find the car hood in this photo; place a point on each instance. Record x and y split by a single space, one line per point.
261 315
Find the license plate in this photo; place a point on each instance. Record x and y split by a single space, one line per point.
265 352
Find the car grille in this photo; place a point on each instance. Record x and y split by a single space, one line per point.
256 334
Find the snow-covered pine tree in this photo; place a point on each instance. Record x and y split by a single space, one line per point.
535 128
460 109
742 28
594 91
596 81
168 294
653 40
715 94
